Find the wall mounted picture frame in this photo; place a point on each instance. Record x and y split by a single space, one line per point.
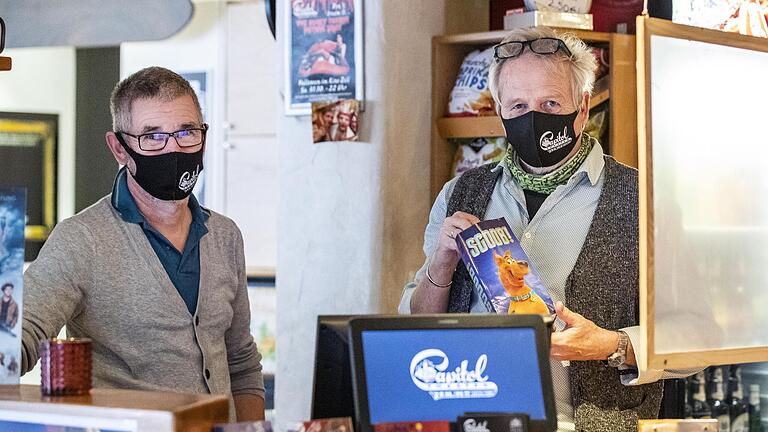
323 53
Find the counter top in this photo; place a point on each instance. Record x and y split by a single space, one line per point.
147 410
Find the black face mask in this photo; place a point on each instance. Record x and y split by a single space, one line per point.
541 139
168 176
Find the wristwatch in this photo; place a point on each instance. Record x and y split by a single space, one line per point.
620 356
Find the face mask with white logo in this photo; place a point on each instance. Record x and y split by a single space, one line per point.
541 139
168 176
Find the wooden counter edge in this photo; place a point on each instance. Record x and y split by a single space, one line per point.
190 412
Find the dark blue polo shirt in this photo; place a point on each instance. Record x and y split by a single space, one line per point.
183 268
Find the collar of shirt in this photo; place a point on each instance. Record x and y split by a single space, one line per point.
124 203
592 168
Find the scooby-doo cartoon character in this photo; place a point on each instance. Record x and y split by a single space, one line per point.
522 299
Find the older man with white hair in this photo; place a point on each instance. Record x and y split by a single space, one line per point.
574 210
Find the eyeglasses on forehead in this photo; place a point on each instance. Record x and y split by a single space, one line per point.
544 46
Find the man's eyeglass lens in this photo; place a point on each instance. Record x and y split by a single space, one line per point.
158 140
538 46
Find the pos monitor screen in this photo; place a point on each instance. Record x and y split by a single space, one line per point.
438 367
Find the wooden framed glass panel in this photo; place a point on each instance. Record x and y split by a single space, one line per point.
702 98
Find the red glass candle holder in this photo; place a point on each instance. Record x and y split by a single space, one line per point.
65 366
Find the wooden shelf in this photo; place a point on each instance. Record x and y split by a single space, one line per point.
470 127
495 36
5 63
599 98
489 126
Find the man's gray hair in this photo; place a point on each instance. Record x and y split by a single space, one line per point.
149 83
582 62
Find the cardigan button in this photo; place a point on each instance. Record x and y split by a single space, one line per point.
207 374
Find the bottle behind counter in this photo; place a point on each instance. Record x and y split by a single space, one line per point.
699 406
755 421
717 404
739 414
688 407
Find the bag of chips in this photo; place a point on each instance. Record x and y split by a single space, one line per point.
475 152
470 95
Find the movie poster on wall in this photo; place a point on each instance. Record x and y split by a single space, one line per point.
324 53
13 209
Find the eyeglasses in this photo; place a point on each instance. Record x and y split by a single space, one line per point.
544 46
156 141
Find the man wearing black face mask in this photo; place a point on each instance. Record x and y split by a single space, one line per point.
574 211
153 279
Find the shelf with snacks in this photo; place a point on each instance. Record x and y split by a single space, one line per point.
617 90
490 126
469 127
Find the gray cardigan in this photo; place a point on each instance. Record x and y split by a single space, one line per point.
603 286
99 275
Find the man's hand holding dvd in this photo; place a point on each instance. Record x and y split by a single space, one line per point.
505 280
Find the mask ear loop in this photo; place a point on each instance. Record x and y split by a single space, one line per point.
175 160
578 111
129 151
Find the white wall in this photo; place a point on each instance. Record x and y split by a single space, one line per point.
198 47
351 215
251 179
42 80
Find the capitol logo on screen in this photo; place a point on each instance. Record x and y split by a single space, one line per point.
430 372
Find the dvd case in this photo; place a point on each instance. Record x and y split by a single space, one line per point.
504 278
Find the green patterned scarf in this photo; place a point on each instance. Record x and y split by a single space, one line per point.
547 183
